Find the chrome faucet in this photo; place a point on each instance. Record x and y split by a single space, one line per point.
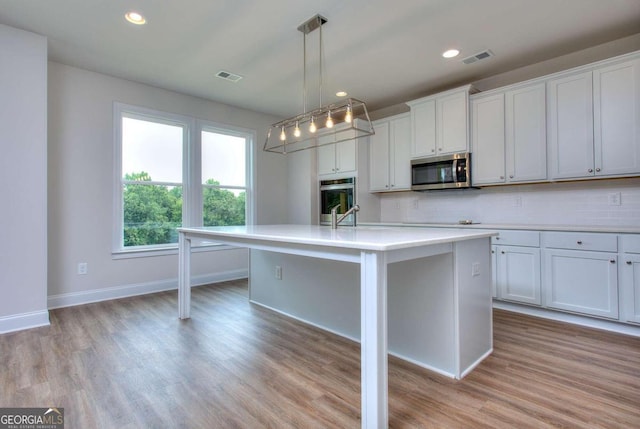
334 215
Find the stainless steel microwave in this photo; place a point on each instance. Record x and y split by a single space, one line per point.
441 172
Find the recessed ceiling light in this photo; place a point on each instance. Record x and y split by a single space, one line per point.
450 53
341 93
135 18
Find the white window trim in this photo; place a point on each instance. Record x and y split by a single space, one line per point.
191 180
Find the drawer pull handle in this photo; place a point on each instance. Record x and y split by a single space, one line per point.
613 261
629 263
579 242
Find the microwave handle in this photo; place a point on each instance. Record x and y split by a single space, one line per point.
454 171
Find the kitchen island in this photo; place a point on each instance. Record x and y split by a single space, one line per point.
454 261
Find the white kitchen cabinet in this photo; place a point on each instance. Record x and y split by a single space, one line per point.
616 101
337 159
508 136
581 281
630 278
439 123
570 132
389 155
487 139
594 122
517 266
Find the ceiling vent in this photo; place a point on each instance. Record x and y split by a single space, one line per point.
228 76
477 57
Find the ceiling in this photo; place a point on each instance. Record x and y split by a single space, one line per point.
383 52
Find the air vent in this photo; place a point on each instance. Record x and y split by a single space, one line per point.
477 57
228 76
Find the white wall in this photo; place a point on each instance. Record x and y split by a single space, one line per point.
583 203
80 185
23 173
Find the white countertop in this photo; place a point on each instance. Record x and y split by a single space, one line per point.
531 227
377 238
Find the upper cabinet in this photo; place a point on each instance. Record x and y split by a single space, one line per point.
337 159
508 135
389 155
439 123
594 122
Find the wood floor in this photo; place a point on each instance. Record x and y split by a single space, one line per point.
132 364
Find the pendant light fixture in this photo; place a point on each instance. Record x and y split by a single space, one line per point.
347 119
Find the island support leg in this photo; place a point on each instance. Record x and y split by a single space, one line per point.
184 276
373 299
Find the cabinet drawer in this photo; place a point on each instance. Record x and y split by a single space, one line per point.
580 241
630 243
517 238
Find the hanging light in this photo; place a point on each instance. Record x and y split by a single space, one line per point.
348 117
329 123
341 123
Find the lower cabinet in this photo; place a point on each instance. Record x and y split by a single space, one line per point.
581 273
583 282
516 266
630 278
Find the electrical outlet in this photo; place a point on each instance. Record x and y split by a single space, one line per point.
82 268
278 272
615 199
475 269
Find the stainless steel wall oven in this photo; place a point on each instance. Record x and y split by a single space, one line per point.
338 192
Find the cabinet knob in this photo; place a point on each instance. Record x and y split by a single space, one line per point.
579 242
510 176
590 170
497 238
629 263
597 169
393 185
501 177
433 150
440 149
613 261
502 252
493 251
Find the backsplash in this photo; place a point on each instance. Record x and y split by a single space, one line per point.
584 203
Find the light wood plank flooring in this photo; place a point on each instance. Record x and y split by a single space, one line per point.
131 363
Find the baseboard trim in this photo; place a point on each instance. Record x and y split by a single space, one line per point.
18 322
106 294
574 319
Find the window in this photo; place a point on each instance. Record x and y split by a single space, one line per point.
172 171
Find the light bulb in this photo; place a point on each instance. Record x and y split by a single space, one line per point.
296 130
312 127
283 136
329 122
348 117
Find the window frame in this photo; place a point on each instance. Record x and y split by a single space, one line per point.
192 204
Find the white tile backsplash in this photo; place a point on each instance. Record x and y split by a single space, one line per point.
583 203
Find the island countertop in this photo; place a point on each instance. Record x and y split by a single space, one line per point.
372 238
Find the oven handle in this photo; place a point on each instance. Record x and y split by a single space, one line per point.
335 187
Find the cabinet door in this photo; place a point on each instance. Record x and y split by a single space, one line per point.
451 128
487 140
526 134
379 158
346 160
326 159
518 274
423 129
617 119
583 282
570 132
630 271
400 160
